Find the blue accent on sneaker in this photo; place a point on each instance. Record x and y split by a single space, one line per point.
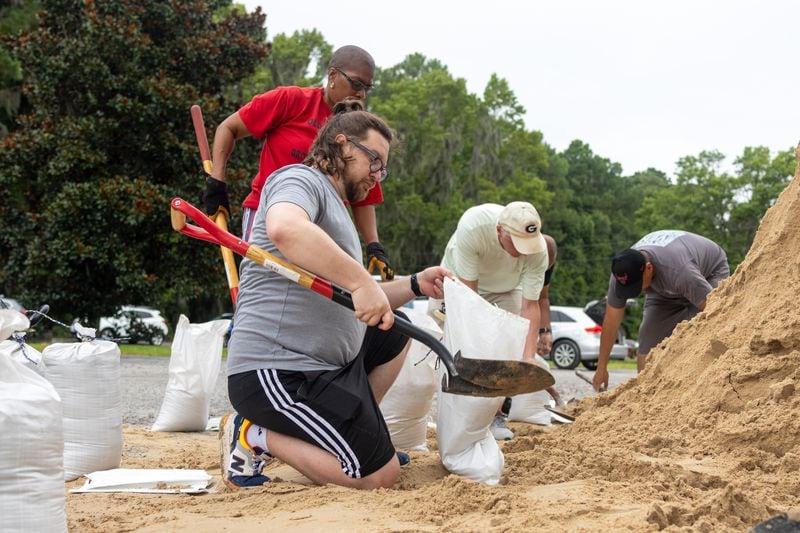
241 466
246 482
403 458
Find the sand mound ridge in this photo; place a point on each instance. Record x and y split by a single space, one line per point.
706 439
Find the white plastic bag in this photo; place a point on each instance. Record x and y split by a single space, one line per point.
193 371
31 452
481 331
530 407
86 376
406 405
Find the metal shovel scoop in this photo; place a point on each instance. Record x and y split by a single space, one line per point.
466 376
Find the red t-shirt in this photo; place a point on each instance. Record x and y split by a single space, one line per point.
288 119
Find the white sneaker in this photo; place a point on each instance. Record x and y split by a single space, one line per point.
499 429
241 465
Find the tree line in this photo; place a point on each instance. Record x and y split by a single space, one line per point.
99 139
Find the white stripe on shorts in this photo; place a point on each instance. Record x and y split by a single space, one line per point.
310 422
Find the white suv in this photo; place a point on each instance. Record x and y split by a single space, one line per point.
576 339
137 323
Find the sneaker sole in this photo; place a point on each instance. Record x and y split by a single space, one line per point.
224 454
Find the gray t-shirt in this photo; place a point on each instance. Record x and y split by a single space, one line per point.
278 323
687 266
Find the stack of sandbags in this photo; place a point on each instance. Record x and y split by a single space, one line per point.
31 448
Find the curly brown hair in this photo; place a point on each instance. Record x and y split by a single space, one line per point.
326 153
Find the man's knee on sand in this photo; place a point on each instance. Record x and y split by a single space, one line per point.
384 478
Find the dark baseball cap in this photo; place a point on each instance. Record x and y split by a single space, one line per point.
628 269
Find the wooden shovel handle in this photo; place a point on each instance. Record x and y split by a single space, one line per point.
205 155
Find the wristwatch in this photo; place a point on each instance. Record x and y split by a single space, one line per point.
545 330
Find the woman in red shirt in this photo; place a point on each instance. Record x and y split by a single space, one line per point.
288 119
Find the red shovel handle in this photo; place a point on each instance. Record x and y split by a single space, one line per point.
202 138
209 231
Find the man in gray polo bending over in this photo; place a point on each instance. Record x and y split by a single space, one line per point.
676 270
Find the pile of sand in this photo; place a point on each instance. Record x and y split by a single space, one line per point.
707 438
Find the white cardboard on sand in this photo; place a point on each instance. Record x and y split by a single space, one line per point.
158 481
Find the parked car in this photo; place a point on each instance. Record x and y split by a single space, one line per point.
138 323
596 309
576 339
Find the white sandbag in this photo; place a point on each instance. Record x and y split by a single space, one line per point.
193 371
406 405
24 354
480 331
86 376
31 452
11 321
530 407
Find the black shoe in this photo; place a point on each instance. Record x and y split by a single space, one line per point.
777 524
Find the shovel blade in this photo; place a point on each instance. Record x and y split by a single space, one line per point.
565 416
456 385
491 378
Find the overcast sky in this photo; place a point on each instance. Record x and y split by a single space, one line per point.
643 83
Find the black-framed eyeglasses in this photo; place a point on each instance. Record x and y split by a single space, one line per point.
357 85
375 163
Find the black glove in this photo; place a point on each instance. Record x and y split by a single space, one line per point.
215 198
377 259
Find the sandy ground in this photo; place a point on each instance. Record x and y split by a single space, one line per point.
706 439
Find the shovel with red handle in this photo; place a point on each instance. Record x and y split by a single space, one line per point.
466 376
220 218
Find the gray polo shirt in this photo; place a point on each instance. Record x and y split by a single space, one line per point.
278 323
687 266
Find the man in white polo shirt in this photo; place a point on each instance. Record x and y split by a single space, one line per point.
500 253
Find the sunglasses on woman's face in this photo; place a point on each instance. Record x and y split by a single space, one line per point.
375 163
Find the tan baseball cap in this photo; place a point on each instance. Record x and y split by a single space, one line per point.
523 223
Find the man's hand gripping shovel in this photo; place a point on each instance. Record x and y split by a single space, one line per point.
470 377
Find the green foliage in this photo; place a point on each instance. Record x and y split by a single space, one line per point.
300 59
454 150
106 142
16 18
87 179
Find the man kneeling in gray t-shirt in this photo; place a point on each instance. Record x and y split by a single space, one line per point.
305 374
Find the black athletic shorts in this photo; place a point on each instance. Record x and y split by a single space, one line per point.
333 409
